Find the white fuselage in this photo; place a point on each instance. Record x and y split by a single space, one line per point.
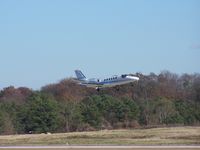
109 82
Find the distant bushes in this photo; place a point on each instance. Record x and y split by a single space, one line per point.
107 111
42 113
39 114
165 99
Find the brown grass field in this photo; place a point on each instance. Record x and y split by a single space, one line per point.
153 136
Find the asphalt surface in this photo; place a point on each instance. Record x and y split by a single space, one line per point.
100 147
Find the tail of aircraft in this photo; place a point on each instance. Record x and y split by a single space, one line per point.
79 75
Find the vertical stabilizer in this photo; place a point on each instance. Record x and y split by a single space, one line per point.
79 75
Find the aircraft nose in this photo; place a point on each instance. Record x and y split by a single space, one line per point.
132 78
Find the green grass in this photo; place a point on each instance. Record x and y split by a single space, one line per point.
154 136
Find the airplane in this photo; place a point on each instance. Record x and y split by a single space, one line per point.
108 82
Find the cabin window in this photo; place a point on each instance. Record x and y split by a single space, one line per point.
123 76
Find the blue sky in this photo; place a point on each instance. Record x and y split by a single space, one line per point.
43 41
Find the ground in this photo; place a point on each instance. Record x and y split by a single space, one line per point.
153 136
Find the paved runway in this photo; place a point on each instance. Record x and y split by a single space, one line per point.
100 147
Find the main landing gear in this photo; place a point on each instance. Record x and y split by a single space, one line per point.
98 89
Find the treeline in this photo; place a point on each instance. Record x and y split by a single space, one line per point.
155 100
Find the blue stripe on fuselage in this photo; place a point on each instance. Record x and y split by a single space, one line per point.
111 82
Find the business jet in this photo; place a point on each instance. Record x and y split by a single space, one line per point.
108 82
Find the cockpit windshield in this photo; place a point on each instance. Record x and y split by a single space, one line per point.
123 76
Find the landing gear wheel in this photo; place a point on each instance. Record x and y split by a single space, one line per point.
97 88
